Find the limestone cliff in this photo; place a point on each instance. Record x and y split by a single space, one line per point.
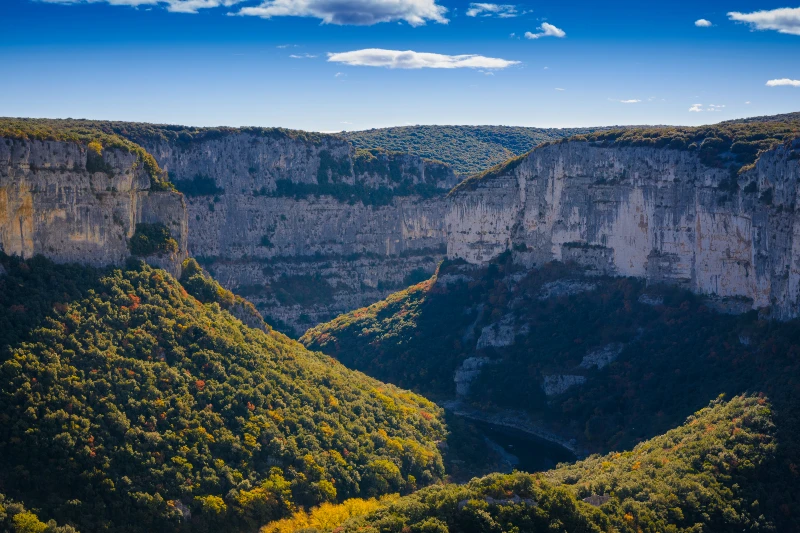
653 213
52 204
303 225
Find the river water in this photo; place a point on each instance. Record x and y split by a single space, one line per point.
532 453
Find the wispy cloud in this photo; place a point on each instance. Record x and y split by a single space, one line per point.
492 10
784 82
560 89
546 30
353 12
175 6
632 101
710 108
302 56
703 23
783 20
409 59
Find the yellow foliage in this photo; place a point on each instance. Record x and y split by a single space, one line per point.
96 147
328 515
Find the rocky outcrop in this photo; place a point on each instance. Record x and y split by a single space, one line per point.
559 383
51 204
658 214
468 372
303 226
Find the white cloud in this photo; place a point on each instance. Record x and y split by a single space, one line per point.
784 82
492 10
630 101
747 103
302 56
546 30
175 6
355 12
710 108
783 20
560 89
703 23
376 57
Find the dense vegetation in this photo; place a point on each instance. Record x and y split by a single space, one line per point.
202 286
86 133
676 356
128 405
185 136
16 518
152 239
734 145
467 149
706 475
334 176
198 186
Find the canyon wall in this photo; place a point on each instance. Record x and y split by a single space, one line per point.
50 204
304 227
658 214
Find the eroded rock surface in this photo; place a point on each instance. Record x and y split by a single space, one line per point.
262 229
50 204
651 213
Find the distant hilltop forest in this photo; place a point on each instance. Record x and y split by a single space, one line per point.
468 149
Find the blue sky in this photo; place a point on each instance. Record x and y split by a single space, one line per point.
588 63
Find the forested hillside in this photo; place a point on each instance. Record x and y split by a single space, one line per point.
467 149
129 405
706 475
607 361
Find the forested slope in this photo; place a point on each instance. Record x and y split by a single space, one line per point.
606 361
128 405
707 475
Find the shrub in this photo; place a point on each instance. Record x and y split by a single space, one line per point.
152 239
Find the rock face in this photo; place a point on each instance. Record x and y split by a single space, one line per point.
468 372
293 223
50 204
658 214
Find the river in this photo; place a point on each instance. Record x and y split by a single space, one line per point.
524 451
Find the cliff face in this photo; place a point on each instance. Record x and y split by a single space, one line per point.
50 204
650 213
305 229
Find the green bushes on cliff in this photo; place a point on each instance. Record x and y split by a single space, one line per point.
725 144
198 186
152 239
357 193
84 132
734 145
128 405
